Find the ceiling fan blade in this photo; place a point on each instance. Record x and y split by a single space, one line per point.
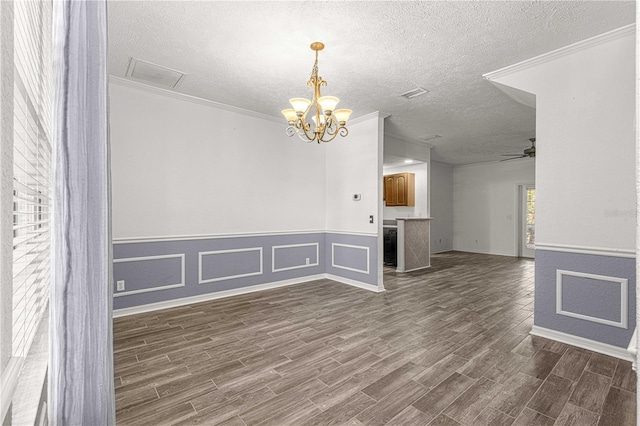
514 158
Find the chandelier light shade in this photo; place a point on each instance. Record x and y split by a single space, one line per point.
328 122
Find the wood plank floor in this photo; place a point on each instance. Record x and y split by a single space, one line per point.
445 346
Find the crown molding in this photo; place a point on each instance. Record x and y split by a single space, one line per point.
563 51
371 115
218 105
189 98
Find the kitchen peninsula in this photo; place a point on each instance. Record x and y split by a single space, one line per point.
414 250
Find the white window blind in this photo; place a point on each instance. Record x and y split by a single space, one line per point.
31 168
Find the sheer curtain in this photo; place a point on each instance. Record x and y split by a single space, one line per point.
81 390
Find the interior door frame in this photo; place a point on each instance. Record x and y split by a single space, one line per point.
520 225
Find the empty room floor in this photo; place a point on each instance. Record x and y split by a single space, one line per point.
446 346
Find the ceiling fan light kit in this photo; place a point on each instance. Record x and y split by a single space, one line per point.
529 152
328 121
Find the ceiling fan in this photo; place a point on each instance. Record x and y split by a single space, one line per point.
529 152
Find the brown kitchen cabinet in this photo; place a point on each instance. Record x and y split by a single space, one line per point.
400 190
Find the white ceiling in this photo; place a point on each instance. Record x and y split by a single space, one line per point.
255 55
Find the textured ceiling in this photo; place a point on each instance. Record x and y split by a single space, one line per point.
255 55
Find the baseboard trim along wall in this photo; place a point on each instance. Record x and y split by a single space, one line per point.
211 296
581 342
236 292
353 283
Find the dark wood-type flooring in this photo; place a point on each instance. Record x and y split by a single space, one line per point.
446 346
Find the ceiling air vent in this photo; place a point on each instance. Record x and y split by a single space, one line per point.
157 75
419 91
430 137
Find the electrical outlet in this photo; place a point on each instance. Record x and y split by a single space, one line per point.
307 261
120 285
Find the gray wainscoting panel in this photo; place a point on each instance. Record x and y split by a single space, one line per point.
607 299
148 273
221 267
294 256
353 256
586 295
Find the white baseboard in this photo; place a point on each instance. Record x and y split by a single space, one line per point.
354 283
442 251
212 296
466 250
583 343
235 292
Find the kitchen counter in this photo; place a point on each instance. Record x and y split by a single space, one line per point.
414 251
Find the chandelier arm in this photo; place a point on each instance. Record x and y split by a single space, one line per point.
332 137
305 128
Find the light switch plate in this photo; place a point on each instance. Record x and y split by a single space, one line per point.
120 285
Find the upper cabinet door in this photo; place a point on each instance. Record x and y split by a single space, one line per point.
399 190
390 191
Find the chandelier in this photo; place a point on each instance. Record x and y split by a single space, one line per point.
328 122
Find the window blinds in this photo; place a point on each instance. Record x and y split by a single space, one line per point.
31 168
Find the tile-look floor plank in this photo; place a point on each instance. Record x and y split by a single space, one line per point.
571 364
552 396
338 354
619 408
475 399
440 397
572 415
590 391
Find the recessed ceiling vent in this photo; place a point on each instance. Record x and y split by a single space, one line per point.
157 75
419 91
430 137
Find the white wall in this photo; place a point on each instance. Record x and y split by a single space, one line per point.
184 167
585 141
441 206
403 148
485 205
353 167
421 207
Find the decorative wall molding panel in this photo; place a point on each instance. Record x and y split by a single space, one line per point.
232 262
343 259
624 303
182 282
313 261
